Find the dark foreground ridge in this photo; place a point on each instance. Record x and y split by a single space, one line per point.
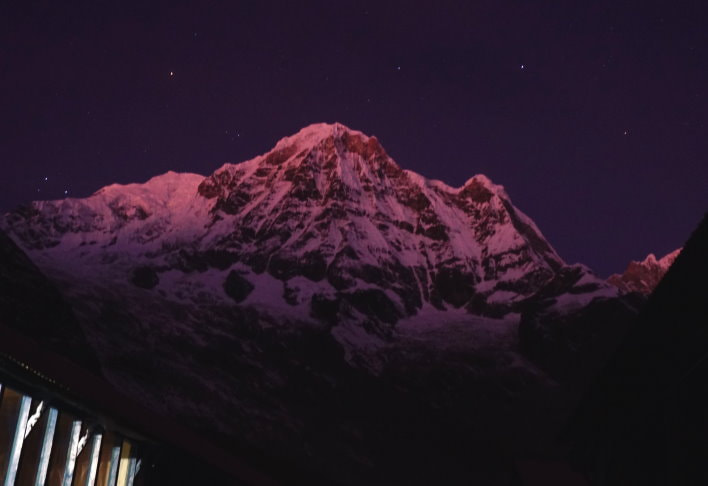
646 418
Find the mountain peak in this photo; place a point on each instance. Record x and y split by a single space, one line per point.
329 215
644 276
335 138
651 258
315 133
324 129
318 162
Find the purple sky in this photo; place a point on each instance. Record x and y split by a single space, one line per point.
591 114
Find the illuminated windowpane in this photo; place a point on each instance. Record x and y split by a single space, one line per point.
132 470
47 444
83 460
126 464
15 451
108 460
138 478
87 460
32 447
75 446
9 412
9 408
60 449
93 460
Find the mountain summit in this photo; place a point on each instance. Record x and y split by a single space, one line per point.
324 225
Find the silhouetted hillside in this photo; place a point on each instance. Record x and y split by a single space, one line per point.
646 419
32 305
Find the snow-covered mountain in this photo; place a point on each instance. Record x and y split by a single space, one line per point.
296 301
326 224
644 276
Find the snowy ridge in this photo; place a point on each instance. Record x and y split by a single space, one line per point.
325 225
664 262
644 276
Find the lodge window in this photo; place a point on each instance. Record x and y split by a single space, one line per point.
11 406
41 445
33 448
65 439
109 459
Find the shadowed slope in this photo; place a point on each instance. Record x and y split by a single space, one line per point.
32 305
646 420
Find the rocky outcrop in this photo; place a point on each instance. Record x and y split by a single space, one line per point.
237 287
643 277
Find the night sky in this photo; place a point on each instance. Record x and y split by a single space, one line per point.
591 114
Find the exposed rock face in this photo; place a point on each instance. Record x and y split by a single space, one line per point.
644 276
145 277
237 287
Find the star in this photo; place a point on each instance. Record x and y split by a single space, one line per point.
523 66
172 73
626 132
398 68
